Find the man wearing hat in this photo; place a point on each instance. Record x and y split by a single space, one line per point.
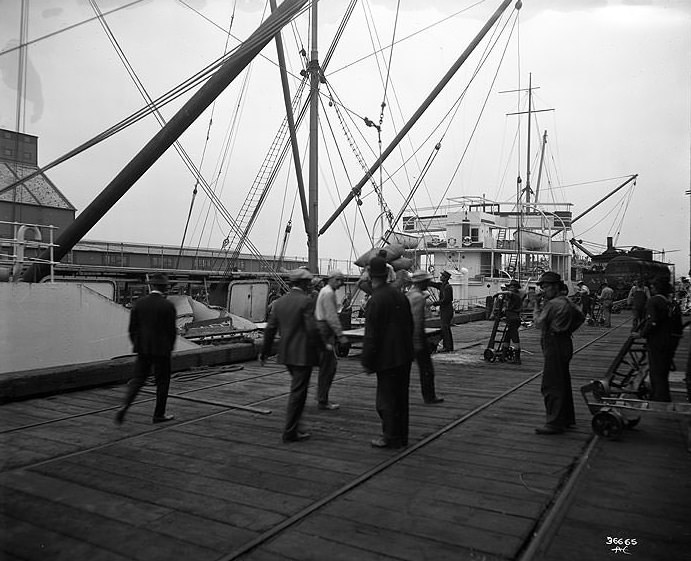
445 310
329 324
586 299
152 332
292 316
417 296
557 321
510 303
606 301
387 349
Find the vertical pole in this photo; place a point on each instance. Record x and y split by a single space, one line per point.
527 163
312 234
291 125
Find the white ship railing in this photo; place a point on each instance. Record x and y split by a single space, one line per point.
13 263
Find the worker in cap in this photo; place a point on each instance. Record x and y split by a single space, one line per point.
509 304
152 330
557 319
387 349
606 299
292 317
330 330
445 310
586 299
417 296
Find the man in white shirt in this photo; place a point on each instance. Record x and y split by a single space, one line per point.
329 324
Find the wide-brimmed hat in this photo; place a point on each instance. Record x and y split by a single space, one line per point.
159 279
377 267
297 275
550 277
421 276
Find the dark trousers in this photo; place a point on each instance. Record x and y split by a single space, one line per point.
445 319
299 383
512 335
327 363
144 366
392 403
659 359
638 317
424 364
556 381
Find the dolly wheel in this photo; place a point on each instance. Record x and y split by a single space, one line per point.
608 423
489 355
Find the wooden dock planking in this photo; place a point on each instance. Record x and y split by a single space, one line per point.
214 479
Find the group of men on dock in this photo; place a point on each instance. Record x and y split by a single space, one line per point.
394 337
310 328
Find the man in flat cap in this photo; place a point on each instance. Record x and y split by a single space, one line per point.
510 304
153 332
387 349
330 329
558 319
292 316
445 310
417 296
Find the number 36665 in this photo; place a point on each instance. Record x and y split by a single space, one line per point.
621 541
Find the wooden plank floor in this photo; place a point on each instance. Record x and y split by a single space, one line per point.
218 484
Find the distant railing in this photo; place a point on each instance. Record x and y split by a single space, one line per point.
12 264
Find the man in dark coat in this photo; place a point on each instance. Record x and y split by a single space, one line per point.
152 332
292 316
445 310
388 350
557 320
657 329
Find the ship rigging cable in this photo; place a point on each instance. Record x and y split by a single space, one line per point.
190 83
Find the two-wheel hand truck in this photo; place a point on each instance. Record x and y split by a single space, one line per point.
618 401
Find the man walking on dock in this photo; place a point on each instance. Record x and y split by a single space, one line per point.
292 316
329 324
152 332
417 296
387 349
558 319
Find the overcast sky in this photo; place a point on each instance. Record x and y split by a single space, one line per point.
616 73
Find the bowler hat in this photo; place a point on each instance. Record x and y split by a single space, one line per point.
158 279
549 277
297 275
377 267
420 276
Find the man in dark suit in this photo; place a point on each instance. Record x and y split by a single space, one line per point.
152 332
292 316
387 349
445 310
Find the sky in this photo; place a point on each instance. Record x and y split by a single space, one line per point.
612 76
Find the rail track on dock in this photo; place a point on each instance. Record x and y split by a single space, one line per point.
479 443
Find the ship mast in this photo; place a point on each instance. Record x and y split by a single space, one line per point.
313 202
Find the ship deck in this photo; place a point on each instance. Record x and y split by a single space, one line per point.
218 484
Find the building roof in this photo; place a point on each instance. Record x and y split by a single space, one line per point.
39 190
